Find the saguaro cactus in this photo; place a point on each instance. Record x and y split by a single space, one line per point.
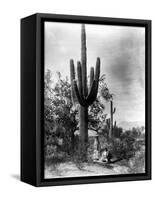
112 111
108 123
81 93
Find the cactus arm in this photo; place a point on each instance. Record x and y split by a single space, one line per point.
72 77
108 122
72 70
79 75
92 94
97 69
97 75
94 89
91 77
114 110
80 99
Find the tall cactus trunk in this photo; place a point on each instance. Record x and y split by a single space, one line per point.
83 125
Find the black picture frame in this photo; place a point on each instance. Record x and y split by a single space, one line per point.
32 98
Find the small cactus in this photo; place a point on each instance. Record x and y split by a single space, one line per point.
112 111
108 123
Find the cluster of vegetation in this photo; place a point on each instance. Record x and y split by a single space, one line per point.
61 121
61 116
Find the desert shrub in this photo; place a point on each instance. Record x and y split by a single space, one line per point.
54 152
53 155
121 146
117 132
137 163
54 161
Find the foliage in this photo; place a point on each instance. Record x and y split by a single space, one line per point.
117 131
104 90
61 116
61 120
137 163
123 148
122 145
96 115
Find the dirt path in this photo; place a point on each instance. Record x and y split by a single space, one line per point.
69 169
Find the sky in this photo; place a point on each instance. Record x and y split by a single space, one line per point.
122 53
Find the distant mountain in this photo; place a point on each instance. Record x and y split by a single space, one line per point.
129 125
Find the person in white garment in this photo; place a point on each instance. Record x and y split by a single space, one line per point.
104 155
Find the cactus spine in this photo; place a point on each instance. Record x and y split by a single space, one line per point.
80 92
112 111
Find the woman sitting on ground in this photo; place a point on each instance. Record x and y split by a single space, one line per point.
105 155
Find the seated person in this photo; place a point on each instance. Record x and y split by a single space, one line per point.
109 157
105 155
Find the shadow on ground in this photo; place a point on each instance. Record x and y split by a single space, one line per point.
16 176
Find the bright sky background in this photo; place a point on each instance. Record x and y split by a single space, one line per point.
122 53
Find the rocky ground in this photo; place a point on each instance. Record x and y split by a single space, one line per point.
70 169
